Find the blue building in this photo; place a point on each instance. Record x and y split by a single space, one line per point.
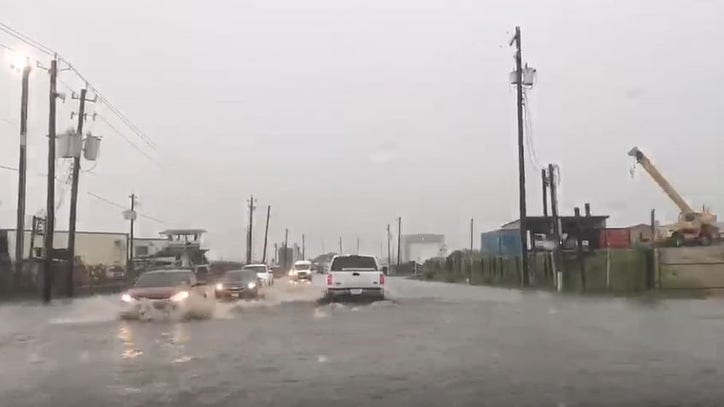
506 240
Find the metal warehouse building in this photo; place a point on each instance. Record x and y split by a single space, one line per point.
106 248
506 240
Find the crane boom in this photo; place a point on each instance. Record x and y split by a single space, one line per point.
663 183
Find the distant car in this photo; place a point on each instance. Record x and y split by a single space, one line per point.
237 284
263 273
355 276
322 268
302 270
173 291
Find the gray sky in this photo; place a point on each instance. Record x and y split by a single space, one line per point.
345 114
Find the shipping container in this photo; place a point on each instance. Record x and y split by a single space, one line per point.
619 238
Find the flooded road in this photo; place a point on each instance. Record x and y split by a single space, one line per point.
433 344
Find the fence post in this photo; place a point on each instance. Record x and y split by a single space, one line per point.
499 268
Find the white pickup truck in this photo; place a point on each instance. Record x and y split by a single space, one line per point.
355 276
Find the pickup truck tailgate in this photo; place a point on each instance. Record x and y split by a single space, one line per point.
356 279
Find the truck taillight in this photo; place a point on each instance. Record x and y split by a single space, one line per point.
382 279
329 279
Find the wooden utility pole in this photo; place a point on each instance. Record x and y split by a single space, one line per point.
389 249
472 227
249 234
399 240
304 248
340 245
544 187
557 266
132 218
74 193
358 245
286 248
48 251
276 252
22 165
579 247
266 233
521 159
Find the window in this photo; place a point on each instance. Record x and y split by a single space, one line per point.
353 262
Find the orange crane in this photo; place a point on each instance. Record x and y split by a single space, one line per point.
692 227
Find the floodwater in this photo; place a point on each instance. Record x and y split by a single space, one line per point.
433 344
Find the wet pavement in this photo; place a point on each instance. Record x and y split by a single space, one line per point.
433 344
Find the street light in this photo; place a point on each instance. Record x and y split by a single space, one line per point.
17 60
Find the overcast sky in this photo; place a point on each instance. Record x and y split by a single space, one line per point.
343 115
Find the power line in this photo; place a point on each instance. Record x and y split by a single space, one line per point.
108 201
24 38
529 133
125 119
8 168
114 109
131 143
117 205
15 51
49 51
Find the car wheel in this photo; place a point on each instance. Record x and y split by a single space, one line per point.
705 239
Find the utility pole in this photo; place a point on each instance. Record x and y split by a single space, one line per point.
286 246
266 233
557 271
389 251
251 225
521 159
50 201
132 218
472 227
22 165
544 183
340 245
304 248
399 240
276 251
74 192
358 245
579 247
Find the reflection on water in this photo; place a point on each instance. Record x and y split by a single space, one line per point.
125 334
180 333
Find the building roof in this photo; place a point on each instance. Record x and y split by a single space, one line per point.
424 238
89 232
639 225
182 232
516 223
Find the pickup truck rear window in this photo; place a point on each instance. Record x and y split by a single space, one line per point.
353 262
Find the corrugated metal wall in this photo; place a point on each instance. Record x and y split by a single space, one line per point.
503 242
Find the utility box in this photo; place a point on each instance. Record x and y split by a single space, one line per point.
91 147
68 144
529 76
